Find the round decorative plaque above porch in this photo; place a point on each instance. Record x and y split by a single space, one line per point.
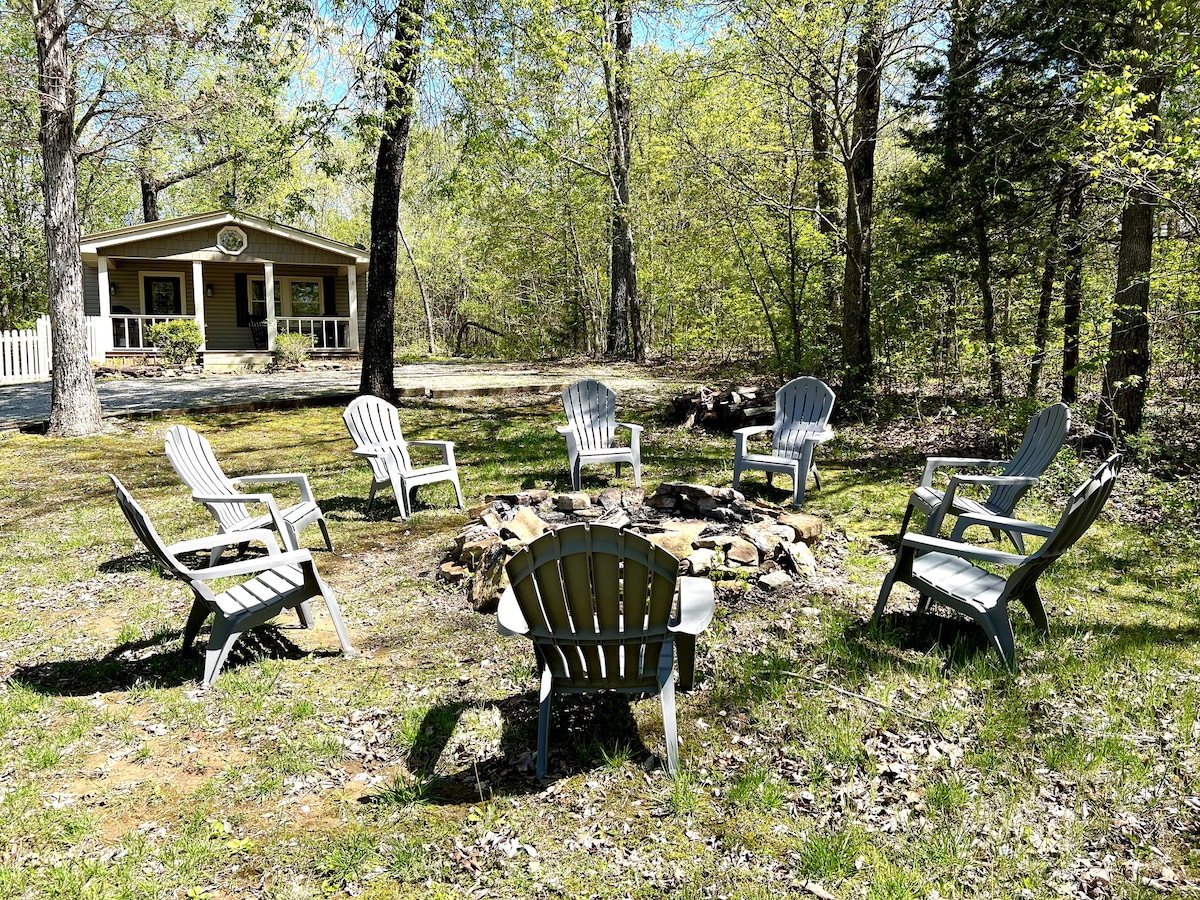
231 240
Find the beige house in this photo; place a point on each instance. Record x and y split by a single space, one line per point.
243 279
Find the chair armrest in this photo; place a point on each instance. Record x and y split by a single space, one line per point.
297 478
564 430
509 618
1014 480
446 447
252 566
821 437
741 437
635 429
696 605
1006 524
927 543
262 535
379 449
933 463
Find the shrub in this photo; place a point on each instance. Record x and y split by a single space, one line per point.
292 349
177 340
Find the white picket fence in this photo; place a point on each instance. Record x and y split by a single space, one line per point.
25 354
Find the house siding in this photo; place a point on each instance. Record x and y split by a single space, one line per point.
201 243
91 290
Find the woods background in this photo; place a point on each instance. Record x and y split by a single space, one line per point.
941 197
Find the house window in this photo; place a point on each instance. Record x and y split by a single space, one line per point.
306 298
293 297
258 299
162 295
231 240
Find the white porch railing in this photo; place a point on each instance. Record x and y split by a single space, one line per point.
129 332
328 332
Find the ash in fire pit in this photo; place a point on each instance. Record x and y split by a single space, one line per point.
713 531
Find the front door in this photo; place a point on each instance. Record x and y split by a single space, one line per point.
164 296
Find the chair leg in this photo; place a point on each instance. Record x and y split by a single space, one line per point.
884 592
667 696
576 474
398 489
543 742
223 637
305 614
215 556
770 479
923 602
290 537
816 476
195 620
685 653
371 497
801 474
335 613
325 531
1037 610
999 628
458 491
908 511
637 473
618 468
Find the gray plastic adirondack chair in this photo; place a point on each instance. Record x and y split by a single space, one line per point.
1043 439
193 459
374 425
943 570
280 581
802 410
591 409
605 609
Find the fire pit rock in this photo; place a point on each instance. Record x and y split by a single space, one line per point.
713 531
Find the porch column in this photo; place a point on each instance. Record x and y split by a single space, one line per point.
269 294
352 286
198 298
106 328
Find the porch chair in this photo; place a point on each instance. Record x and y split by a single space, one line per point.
605 610
193 459
942 570
280 581
591 409
1043 438
374 425
802 410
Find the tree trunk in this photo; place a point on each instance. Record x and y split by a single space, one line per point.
825 197
149 197
858 386
412 261
401 66
74 405
624 313
983 276
1123 396
1073 286
1041 333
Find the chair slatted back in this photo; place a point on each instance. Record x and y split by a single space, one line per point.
591 408
1085 504
193 460
373 421
1043 439
597 600
142 527
802 407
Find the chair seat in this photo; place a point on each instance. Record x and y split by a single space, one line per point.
960 579
928 499
260 592
613 681
762 459
297 516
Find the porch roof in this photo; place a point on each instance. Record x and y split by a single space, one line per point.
94 245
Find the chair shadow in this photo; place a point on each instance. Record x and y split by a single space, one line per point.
582 728
154 661
956 639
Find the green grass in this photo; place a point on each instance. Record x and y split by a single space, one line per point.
406 771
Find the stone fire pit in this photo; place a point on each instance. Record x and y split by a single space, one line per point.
713 531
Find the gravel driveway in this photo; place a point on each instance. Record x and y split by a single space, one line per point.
25 405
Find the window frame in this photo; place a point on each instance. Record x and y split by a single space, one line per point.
148 275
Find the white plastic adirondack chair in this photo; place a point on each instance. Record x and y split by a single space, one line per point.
943 570
802 410
591 409
374 425
280 581
193 459
1043 438
604 609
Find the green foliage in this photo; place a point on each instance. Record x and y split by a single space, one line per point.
177 340
292 348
